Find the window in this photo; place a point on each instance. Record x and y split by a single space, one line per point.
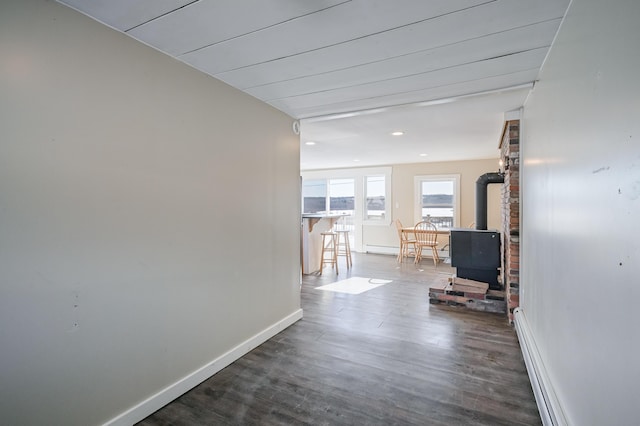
375 190
342 196
314 196
364 194
337 194
437 200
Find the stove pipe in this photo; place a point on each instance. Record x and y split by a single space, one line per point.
481 196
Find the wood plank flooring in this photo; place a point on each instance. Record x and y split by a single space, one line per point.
382 357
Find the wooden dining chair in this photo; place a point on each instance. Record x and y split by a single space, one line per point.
407 244
426 236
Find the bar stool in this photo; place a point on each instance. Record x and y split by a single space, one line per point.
329 253
343 246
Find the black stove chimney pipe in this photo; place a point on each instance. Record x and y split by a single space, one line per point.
481 196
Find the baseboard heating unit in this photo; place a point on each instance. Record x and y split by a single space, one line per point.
550 409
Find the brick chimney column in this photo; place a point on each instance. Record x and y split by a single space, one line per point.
510 156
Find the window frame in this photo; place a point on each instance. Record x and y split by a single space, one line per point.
418 180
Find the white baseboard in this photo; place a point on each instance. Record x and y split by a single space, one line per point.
380 249
394 251
549 406
173 391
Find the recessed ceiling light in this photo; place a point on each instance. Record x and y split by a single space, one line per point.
423 155
356 159
397 133
310 143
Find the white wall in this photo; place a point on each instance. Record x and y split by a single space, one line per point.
581 204
130 187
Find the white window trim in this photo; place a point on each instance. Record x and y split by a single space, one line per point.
417 183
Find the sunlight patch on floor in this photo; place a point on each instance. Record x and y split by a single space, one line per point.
354 285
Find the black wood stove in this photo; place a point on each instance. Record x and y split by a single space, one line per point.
476 252
476 255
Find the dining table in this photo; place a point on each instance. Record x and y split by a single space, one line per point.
410 230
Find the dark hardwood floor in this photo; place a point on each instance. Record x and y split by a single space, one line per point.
382 357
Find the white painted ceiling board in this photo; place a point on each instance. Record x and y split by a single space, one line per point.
489 84
470 24
433 60
423 81
376 49
315 58
489 46
191 28
349 21
125 14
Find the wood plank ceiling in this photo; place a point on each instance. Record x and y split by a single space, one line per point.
317 59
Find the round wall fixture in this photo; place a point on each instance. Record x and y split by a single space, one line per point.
296 127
